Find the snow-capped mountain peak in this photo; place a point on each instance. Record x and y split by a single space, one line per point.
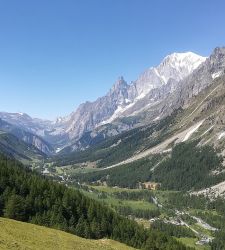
122 97
185 62
173 67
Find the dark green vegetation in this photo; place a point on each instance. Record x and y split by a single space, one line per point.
128 175
172 230
171 202
219 242
137 213
120 147
29 197
189 167
211 211
135 204
182 200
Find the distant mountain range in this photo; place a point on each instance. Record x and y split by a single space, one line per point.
155 94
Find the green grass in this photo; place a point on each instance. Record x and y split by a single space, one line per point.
195 211
162 196
113 189
111 201
202 230
75 169
20 235
190 242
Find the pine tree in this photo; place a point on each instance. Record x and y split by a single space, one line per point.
15 208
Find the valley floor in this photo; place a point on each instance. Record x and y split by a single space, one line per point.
203 232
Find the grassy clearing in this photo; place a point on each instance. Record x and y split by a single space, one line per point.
115 189
20 235
161 195
190 242
75 169
112 189
114 201
111 201
202 230
195 211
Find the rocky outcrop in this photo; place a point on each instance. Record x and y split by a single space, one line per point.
155 94
29 138
125 99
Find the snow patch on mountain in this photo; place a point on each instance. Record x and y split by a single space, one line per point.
174 68
217 74
194 129
221 135
122 100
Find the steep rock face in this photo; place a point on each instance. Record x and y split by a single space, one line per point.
125 99
24 121
162 101
203 77
192 85
155 94
28 137
88 115
52 132
173 68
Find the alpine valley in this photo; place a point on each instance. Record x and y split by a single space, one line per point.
143 165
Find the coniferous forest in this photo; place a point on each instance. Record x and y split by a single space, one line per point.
187 168
29 197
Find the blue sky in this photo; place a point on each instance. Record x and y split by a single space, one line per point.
55 54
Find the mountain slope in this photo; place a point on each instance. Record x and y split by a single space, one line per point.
123 96
49 131
12 146
27 137
201 118
29 197
122 100
24 121
154 95
20 235
161 102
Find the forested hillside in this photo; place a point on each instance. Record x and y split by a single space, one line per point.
120 147
28 197
189 167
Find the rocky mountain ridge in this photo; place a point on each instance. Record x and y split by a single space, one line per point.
155 94
122 96
26 136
